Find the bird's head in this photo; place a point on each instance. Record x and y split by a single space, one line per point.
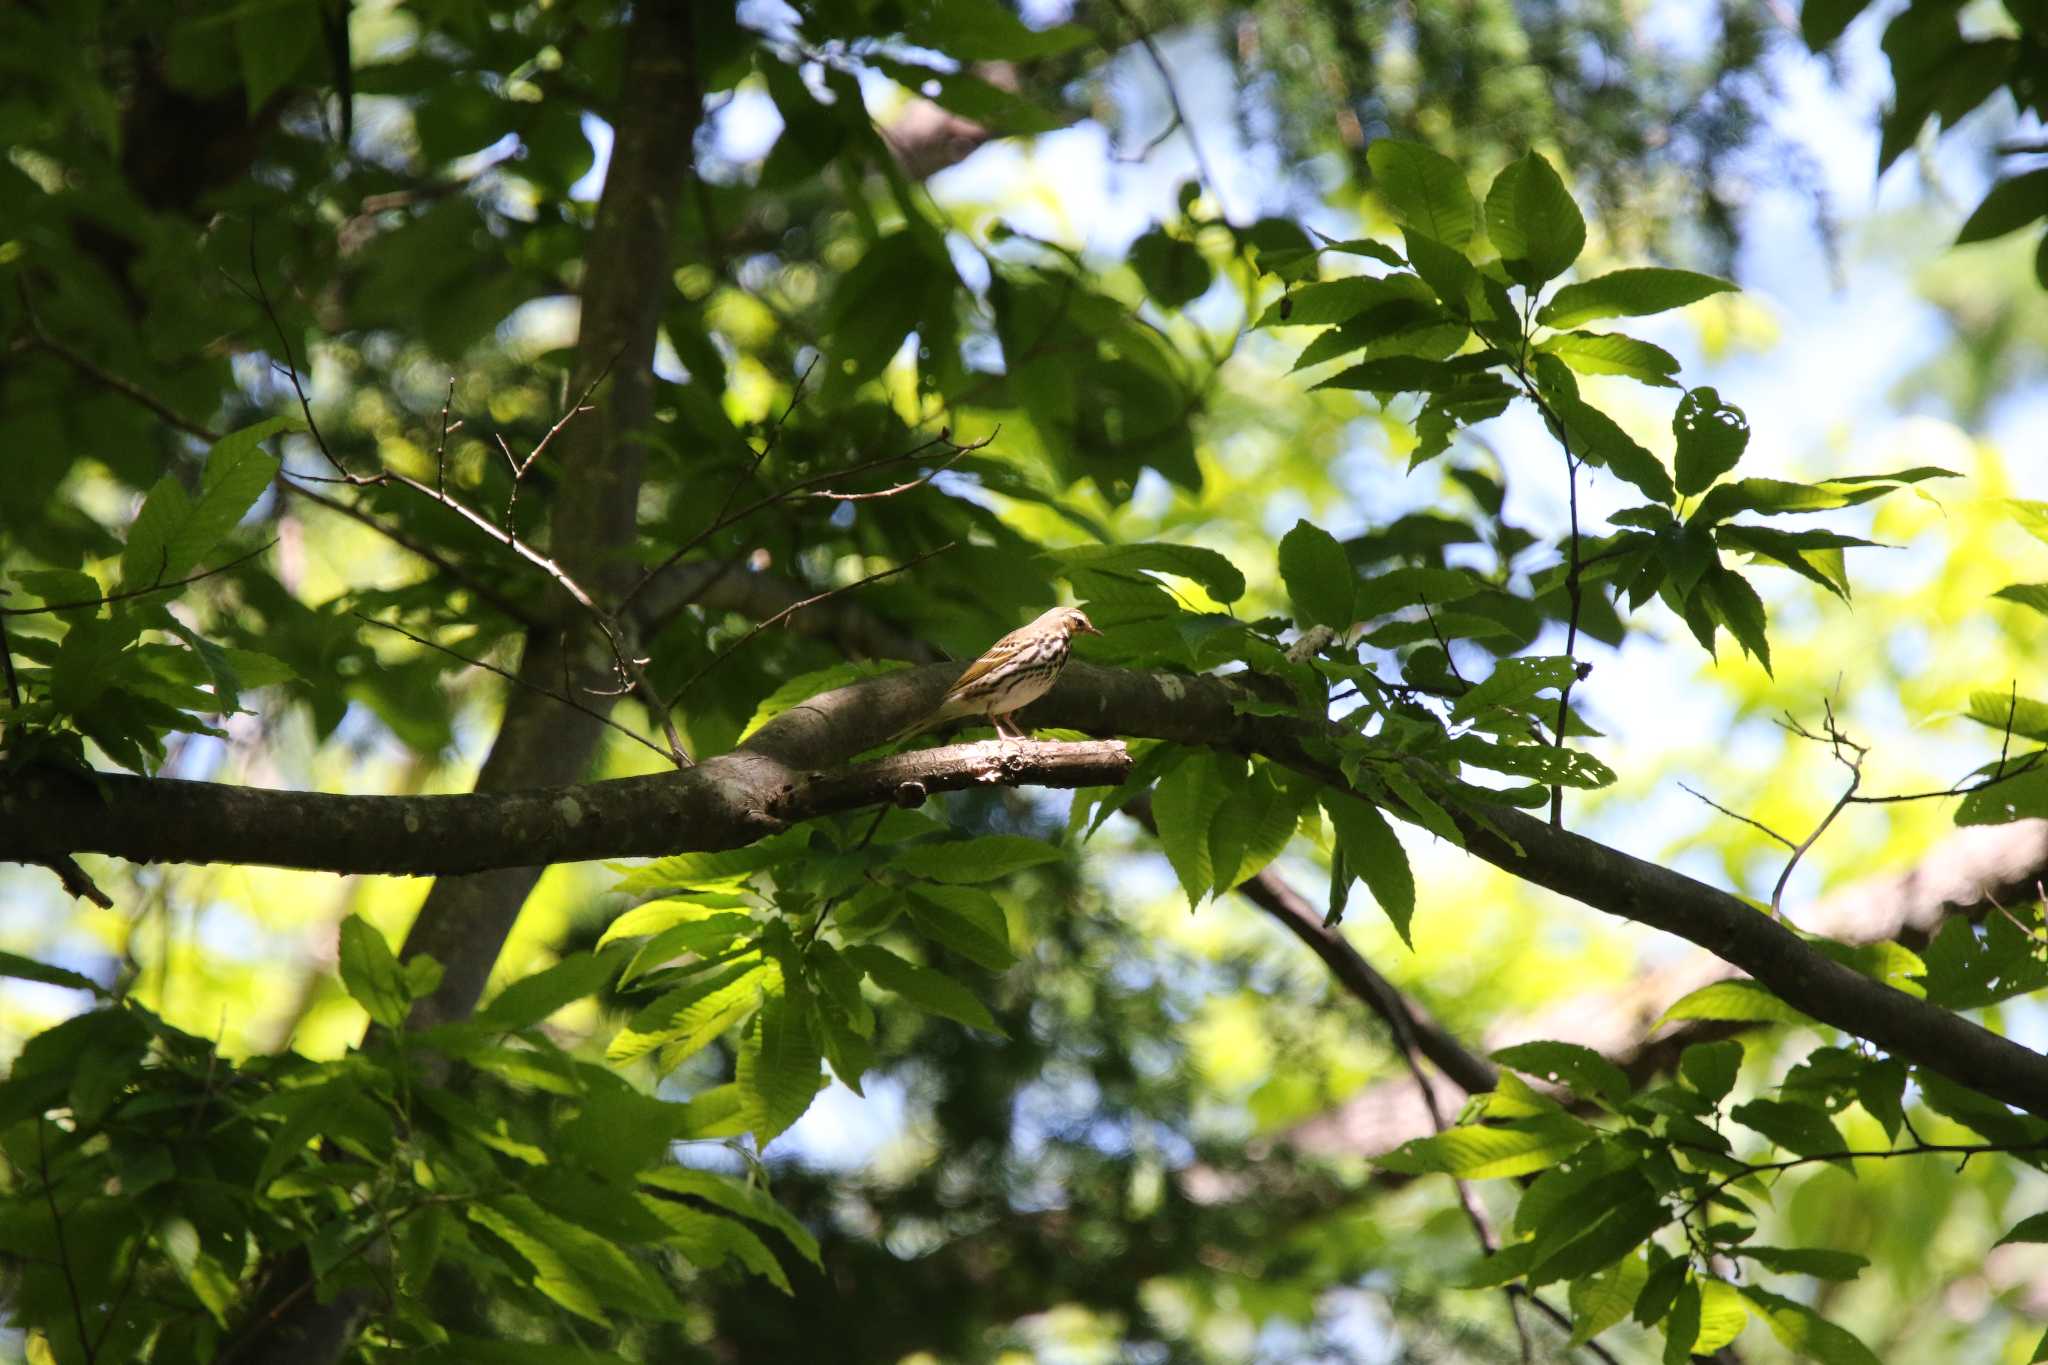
1072 620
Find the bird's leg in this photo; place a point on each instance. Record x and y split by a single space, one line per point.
1005 727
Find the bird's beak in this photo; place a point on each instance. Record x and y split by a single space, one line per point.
1087 626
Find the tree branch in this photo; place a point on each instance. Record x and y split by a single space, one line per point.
779 776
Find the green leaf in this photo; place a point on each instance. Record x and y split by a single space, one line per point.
1799 1128
1174 272
657 916
1589 1074
1682 1324
1215 573
552 1275
532 999
1515 682
1613 353
986 31
930 991
1627 294
1711 438
273 38
777 1070
1723 1315
1801 1329
369 973
146 557
1319 577
1601 1300
1743 1002
1373 854
1533 222
237 471
2012 203
965 919
1444 269
684 1020
1355 296
1620 1211
1735 604
1822 21
1423 189
1600 441
2031 595
2021 797
1184 804
807 685
745 1200
1816 1261
698 871
1711 1068
987 859
2001 711
28 969
1463 379
2032 1228
1475 1153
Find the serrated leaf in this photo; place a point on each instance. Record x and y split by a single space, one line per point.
2021 796
965 919
1474 1153
1801 1329
1711 1068
1600 1301
1628 293
987 859
1319 577
1819 1262
28 969
532 999
1799 1128
1589 1074
1515 682
745 1200
1217 575
2011 204
701 871
1184 804
1599 440
552 1275
146 557
1423 189
1723 1315
652 917
777 1069
1613 353
807 685
1735 1002
1711 438
931 991
684 1020
369 973
1373 854
1533 222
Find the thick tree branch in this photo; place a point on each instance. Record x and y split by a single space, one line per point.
778 777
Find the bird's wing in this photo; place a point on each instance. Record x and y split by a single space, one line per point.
992 656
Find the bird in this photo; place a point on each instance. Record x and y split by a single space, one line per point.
1011 674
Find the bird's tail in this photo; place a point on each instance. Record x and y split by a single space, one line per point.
913 730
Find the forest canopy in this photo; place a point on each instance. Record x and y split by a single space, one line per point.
1533 849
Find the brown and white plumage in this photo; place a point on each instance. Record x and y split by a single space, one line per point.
1011 674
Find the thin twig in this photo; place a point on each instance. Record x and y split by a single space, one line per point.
85 1338
125 594
475 582
1737 815
795 607
291 368
1836 742
128 389
1173 101
7 658
514 678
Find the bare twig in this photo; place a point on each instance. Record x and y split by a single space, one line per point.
92 370
85 1338
76 882
792 610
475 582
1837 743
515 679
1736 815
1173 102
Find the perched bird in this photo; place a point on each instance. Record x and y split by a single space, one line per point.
1014 672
